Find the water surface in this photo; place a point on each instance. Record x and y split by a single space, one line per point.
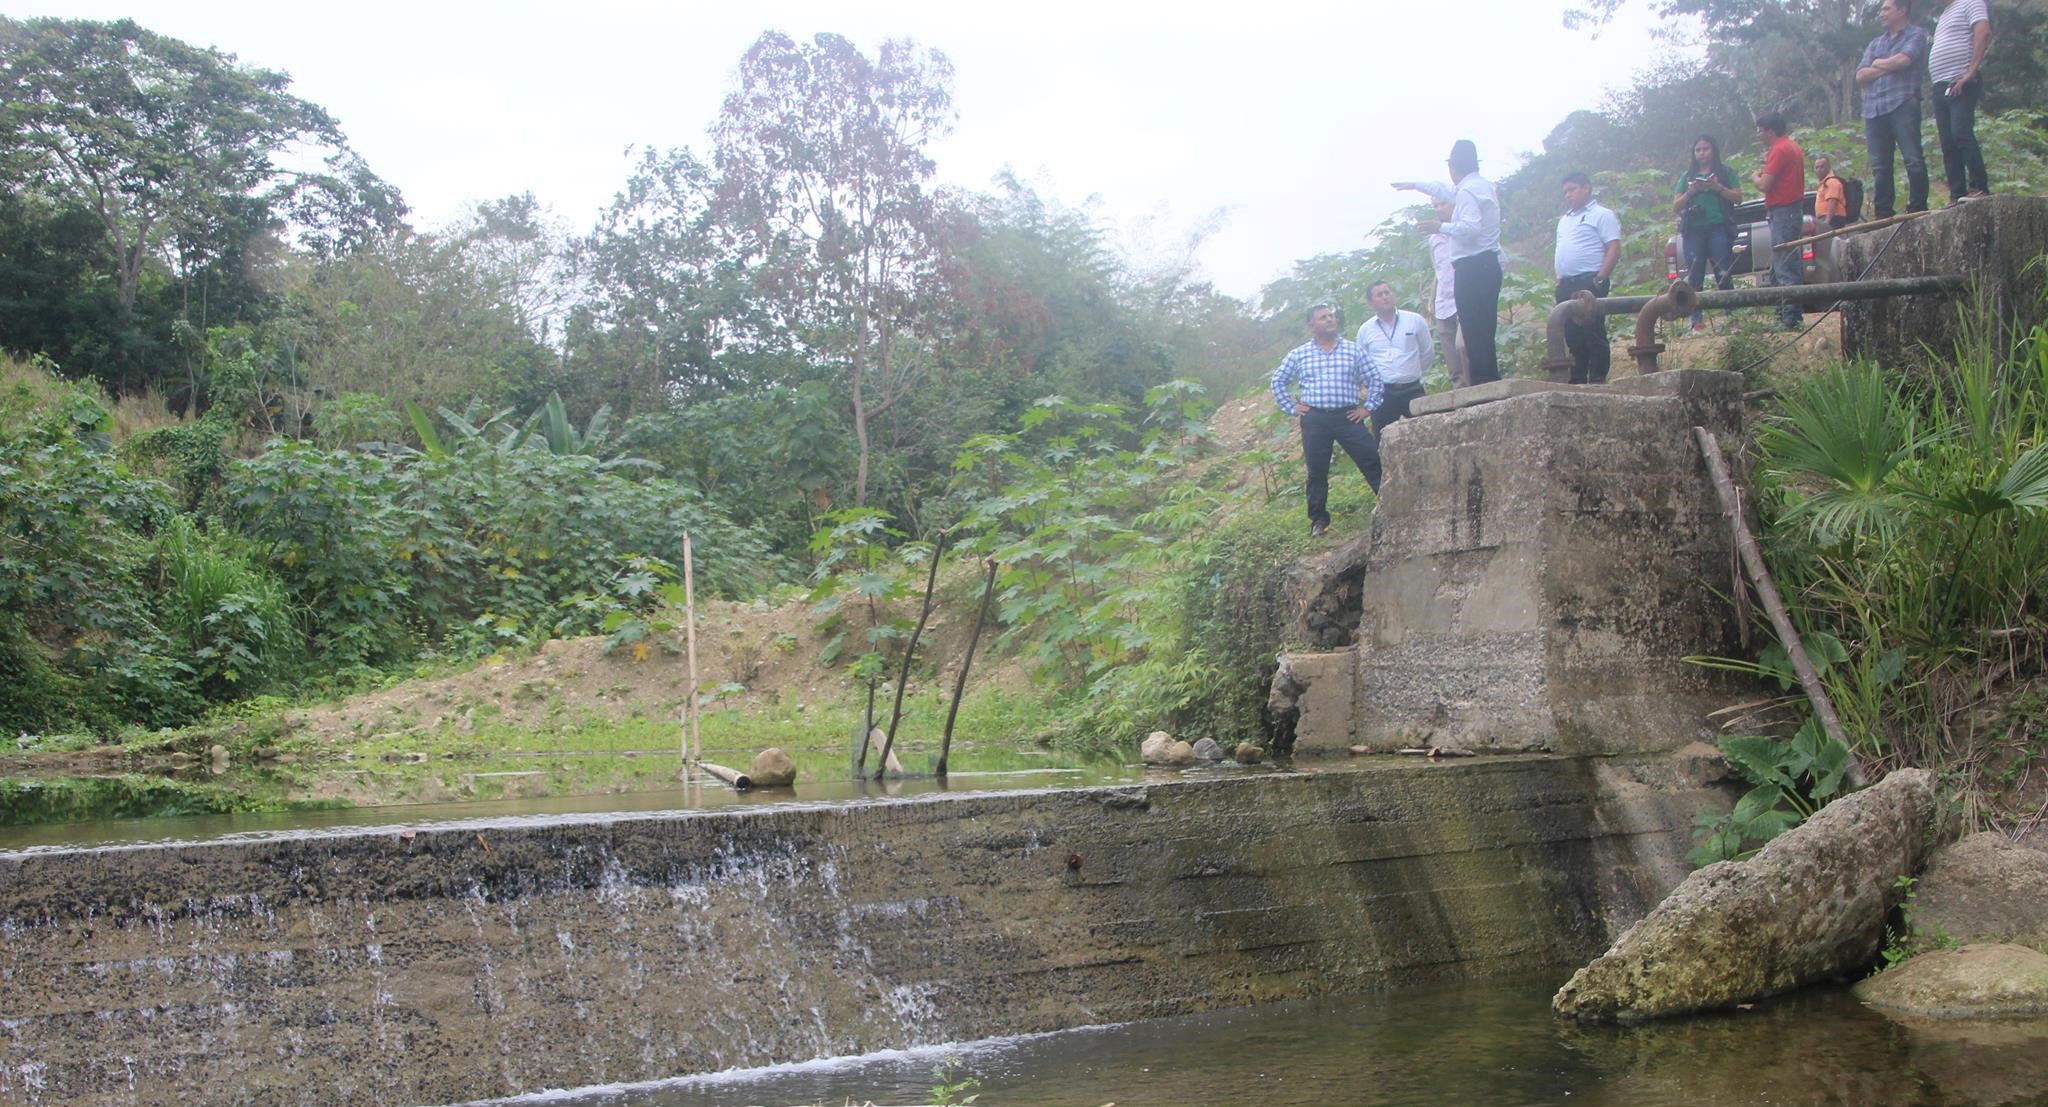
1493 1044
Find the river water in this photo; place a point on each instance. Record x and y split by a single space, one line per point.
1489 1044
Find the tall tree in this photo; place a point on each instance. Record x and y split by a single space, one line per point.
521 250
169 146
672 315
822 163
1795 56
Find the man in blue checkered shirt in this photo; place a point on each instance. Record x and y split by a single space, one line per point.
1322 381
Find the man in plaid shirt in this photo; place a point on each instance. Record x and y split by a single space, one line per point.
1322 382
1890 76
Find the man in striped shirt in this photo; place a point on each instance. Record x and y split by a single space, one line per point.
1331 387
1954 63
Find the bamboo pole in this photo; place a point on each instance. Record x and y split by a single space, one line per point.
931 581
1774 607
734 777
1852 228
695 737
988 591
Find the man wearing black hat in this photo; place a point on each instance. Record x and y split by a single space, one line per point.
1474 231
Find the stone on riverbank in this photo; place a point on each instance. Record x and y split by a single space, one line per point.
1208 749
1157 747
1249 754
1811 904
1976 981
772 769
1983 889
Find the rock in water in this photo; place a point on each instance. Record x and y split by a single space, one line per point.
1983 889
1180 753
1156 748
1981 981
891 767
1209 750
1249 754
772 769
1810 904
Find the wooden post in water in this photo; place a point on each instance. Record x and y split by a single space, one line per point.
1781 620
988 591
931 580
693 740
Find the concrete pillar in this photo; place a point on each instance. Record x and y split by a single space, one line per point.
1999 241
1541 561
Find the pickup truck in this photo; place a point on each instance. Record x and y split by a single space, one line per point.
1753 246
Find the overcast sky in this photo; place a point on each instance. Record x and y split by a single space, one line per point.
1279 125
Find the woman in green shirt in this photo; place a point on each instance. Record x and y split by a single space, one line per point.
1706 195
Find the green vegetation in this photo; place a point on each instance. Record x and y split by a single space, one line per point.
953 1087
1906 519
262 443
1907 939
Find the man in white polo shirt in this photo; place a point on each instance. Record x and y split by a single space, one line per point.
1588 246
1397 343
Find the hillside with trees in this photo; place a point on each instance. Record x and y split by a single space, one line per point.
263 442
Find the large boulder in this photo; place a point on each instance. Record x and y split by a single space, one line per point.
1157 748
1810 905
772 769
1983 889
1975 981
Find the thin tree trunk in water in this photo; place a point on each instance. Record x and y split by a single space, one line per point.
896 714
988 591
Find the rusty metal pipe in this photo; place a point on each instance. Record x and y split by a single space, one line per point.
1675 300
1743 297
1581 307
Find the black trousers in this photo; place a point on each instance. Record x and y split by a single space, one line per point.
1592 353
1477 290
1394 404
1322 428
1955 123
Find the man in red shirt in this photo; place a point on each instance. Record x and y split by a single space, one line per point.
1782 180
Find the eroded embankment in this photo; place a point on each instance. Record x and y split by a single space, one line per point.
453 964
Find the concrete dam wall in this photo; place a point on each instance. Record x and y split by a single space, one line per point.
483 960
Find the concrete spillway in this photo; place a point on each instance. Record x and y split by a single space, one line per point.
453 964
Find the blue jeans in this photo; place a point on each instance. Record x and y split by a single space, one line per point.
1897 129
1955 121
1787 224
1715 244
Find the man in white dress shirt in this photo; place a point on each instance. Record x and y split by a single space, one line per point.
1474 231
1446 303
1588 246
1397 343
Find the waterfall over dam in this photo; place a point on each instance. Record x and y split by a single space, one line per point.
489 959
